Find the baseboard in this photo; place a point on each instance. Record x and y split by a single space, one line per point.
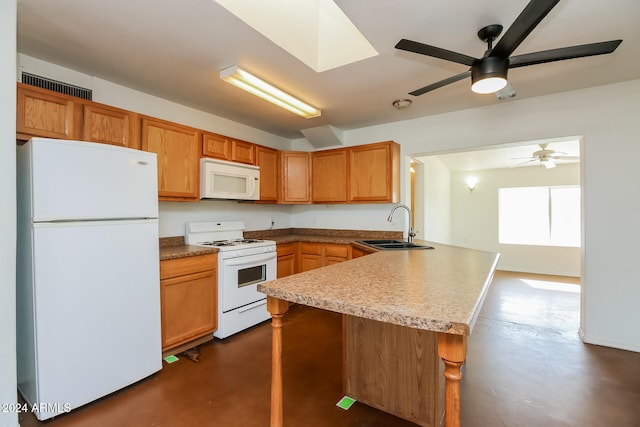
609 343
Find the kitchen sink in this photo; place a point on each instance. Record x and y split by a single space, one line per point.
392 244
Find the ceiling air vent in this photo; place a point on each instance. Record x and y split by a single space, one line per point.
57 86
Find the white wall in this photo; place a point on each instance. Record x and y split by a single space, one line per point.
174 215
437 201
607 116
347 217
475 218
8 382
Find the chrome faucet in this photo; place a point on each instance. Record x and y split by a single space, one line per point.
411 234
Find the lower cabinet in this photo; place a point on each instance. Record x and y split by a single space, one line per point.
286 259
315 255
188 299
357 252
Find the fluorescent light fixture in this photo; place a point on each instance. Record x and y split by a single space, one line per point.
252 84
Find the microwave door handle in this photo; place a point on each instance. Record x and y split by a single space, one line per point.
250 259
252 185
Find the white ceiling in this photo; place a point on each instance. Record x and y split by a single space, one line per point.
174 49
508 155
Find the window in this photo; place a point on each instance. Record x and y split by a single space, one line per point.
547 216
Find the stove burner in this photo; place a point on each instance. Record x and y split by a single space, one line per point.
232 242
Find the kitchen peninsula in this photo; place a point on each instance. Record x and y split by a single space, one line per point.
403 311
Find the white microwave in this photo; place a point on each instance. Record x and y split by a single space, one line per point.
220 179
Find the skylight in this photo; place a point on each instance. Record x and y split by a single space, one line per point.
316 32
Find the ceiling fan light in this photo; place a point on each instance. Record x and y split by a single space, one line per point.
489 85
489 75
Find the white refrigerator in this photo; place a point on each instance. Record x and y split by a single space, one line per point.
88 286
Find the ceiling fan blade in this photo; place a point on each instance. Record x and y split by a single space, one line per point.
441 83
436 52
580 51
548 163
566 157
528 19
524 163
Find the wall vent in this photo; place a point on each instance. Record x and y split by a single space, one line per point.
56 86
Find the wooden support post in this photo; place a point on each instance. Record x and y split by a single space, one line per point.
452 349
277 308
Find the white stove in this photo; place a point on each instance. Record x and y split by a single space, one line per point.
242 265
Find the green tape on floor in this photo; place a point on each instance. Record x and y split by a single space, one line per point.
345 403
171 359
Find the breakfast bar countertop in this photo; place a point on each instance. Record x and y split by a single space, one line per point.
440 289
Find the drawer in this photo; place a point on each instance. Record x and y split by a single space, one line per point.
285 249
341 251
311 248
187 265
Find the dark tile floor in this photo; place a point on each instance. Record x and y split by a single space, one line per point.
526 366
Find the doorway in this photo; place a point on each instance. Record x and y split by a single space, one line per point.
448 210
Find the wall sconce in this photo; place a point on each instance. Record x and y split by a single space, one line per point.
472 182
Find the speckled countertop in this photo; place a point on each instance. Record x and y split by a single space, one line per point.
320 235
439 290
174 247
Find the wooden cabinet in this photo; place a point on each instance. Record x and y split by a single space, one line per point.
334 253
394 368
178 159
48 114
329 176
286 259
188 299
216 146
267 160
110 125
243 152
295 172
315 255
309 256
356 252
44 113
225 148
374 173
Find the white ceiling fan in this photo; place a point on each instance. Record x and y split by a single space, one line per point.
547 156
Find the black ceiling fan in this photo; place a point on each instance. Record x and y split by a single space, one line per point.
489 73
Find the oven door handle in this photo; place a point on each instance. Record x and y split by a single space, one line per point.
251 259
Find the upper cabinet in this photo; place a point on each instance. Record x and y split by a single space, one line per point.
243 152
225 148
357 174
216 146
267 160
110 125
329 176
295 172
44 113
48 114
374 171
178 151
